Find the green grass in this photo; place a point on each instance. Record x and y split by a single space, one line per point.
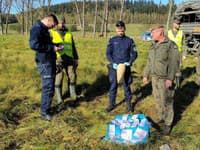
82 125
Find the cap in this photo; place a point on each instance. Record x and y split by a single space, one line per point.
120 24
61 19
156 26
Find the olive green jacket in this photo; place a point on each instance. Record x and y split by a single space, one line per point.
163 60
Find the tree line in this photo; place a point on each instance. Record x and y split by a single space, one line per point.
90 15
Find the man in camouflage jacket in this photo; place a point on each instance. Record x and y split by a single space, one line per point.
162 64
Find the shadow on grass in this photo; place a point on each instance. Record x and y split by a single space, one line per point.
91 92
184 96
187 72
142 92
10 117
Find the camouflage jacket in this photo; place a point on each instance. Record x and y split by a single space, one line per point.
163 60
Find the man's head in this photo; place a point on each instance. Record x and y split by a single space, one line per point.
176 24
61 22
50 21
120 28
157 32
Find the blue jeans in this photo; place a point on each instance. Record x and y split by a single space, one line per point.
47 73
114 85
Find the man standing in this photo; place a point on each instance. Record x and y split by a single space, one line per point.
121 50
66 59
176 35
162 64
45 59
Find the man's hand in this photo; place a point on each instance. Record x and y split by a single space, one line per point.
168 83
58 48
183 57
114 66
127 64
145 80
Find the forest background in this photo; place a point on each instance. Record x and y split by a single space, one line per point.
83 15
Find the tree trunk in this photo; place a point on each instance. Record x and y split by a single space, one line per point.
95 18
27 16
32 12
23 17
169 14
103 20
106 19
48 6
83 21
43 4
122 9
1 16
78 13
7 14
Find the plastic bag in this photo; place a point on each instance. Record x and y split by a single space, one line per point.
128 129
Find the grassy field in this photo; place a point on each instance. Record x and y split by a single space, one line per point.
81 124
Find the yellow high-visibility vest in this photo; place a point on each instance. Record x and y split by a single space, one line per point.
178 39
66 42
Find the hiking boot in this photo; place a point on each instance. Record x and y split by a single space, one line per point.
109 108
166 130
46 117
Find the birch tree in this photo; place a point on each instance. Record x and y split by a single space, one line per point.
169 13
5 6
83 20
106 18
9 4
28 2
122 9
31 11
78 13
103 20
20 7
48 6
95 18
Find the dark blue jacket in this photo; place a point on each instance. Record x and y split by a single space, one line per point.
121 50
40 41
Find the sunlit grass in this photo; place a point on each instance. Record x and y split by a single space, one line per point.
82 125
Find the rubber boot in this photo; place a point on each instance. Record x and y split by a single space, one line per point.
59 95
72 91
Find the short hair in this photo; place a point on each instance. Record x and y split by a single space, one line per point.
177 21
120 24
53 17
156 26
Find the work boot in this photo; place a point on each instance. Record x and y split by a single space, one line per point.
59 95
109 108
72 91
46 117
129 106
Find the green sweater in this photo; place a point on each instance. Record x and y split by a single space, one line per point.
163 60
